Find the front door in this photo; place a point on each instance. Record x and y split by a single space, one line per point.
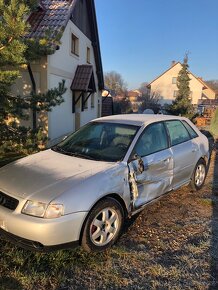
156 177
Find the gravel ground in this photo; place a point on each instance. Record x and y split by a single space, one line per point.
172 244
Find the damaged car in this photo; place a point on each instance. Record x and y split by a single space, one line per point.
80 191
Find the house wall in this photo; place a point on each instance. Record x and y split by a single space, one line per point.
23 87
209 93
165 88
62 65
196 88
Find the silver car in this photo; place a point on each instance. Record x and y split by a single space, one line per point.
81 190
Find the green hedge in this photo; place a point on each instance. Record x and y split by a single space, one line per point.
214 124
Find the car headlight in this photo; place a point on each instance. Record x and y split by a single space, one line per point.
54 211
40 209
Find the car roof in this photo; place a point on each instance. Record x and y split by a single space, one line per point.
137 119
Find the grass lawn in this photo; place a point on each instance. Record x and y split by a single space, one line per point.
172 244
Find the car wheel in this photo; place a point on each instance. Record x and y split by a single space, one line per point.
103 225
199 175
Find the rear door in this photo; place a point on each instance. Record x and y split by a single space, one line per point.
153 148
185 152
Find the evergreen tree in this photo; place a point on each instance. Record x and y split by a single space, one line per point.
17 50
182 104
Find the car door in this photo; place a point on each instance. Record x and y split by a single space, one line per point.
155 175
185 152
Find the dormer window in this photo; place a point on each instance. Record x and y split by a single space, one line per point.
74 44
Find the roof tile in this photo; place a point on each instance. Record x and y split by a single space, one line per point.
53 15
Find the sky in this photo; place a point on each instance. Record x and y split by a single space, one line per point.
140 38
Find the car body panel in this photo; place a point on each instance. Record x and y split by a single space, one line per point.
184 165
157 177
47 174
47 232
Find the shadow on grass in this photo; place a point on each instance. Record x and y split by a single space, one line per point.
8 283
214 241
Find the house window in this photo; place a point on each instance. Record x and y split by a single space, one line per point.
174 80
190 95
88 53
175 93
74 44
92 100
86 105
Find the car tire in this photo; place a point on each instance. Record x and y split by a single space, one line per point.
103 225
199 175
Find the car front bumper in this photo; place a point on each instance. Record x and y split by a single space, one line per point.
40 233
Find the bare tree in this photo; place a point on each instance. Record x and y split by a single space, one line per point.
150 101
114 81
143 88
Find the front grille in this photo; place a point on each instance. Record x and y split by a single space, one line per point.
8 201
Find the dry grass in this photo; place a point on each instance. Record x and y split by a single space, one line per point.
173 244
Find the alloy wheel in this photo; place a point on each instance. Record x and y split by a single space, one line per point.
104 226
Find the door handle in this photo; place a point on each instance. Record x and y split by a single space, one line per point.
194 149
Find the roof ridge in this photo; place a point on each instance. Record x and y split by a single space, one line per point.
163 73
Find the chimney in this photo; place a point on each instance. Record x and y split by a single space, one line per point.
173 63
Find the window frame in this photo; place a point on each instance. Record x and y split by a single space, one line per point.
88 55
175 93
74 48
92 100
173 79
183 121
167 136
169 132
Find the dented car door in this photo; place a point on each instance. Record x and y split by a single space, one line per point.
151 165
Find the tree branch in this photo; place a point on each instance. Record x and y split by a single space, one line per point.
9 41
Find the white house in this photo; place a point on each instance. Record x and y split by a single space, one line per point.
165 86
77 61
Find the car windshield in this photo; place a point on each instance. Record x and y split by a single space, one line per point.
99 141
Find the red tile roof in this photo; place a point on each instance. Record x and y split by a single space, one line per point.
52 15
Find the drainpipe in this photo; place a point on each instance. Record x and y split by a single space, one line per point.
33 93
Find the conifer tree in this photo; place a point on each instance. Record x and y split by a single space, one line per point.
182 104
17 50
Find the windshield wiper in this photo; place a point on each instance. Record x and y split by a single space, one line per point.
74 154
81 155
58 149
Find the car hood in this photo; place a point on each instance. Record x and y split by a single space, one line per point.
45 175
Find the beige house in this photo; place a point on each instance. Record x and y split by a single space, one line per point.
166 88
77 61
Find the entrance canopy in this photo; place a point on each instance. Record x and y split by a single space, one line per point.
84 83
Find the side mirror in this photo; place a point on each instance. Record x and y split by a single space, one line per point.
141 166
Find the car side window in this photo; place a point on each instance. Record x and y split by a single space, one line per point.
153 139
191 131
178 133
